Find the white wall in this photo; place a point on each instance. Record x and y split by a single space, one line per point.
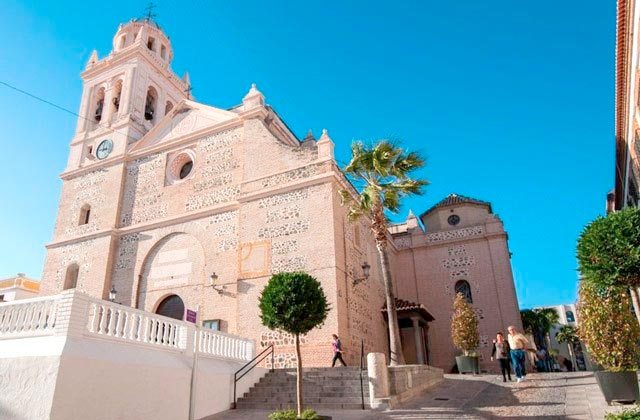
68 373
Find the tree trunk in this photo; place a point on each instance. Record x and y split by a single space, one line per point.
573 358
636 304
299 376
395 346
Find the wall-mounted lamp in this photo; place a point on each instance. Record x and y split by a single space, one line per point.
366 269
112 293
218 288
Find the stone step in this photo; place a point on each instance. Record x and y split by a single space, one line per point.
316 406
310 391
292 400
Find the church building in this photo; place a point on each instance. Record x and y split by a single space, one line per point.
168 204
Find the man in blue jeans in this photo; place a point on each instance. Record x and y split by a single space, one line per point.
518 344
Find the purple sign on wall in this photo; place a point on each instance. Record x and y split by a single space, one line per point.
191 316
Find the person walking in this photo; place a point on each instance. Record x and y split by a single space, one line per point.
337 351
501 352
518 344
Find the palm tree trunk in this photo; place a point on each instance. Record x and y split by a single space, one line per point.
636 304
395 346
299 376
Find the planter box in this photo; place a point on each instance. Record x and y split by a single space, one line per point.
618 386
467 364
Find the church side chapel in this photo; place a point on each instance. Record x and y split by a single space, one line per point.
170 204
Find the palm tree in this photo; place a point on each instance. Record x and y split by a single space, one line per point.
381 174
538 322
567 334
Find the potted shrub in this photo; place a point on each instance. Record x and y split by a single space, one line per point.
609 252
610 332
295 303
464 332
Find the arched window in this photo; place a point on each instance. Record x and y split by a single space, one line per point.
570 316
163 52
71 276
99 101
168 107
123 39
462 286
172 307
85 214
150 104
117 92
151 44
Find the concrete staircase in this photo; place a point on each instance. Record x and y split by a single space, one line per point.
323 388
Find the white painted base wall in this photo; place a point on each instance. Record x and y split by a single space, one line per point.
78 376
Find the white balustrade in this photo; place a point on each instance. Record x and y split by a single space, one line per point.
216 343
75 313
113 320
28 318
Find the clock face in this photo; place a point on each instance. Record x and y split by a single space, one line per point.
104 148
453 220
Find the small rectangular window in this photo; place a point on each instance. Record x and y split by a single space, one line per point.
1 298
150 43
212 324
163 52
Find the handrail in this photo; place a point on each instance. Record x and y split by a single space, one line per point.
361 368
262 355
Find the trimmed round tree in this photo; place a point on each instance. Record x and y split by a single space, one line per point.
464 326
609 252
294 303
608 328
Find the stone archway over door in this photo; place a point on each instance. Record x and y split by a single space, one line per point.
172 307
174 264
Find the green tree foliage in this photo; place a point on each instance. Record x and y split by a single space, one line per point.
608 328
382 175
295 303
609 249
538 322
567 334
464 326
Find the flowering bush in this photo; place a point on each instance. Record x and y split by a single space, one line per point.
608 328
464 326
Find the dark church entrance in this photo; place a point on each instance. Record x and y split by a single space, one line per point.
172 307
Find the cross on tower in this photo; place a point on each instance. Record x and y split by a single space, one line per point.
149 14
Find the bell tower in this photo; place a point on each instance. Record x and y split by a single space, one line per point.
125 94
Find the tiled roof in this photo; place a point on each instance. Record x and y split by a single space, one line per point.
21 282
407 305
453 199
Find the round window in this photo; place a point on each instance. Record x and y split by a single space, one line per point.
454 219
180 167
186 169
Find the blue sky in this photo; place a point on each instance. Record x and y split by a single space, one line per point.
511 102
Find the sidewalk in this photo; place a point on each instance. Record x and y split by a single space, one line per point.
541 396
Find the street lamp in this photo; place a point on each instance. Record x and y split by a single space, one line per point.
366 269
112 293
215 286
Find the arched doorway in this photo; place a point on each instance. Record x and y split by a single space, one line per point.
172 307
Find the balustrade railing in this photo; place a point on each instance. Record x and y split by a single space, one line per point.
28 318
75 313
114 320
224 345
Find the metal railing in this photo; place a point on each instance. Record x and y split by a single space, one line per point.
361 369
250 365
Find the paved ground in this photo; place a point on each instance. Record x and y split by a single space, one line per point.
541 396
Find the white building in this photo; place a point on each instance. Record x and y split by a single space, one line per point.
18 287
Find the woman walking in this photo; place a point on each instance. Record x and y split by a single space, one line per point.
337 351
501 352
518 344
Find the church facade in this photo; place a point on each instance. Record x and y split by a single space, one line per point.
176 205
